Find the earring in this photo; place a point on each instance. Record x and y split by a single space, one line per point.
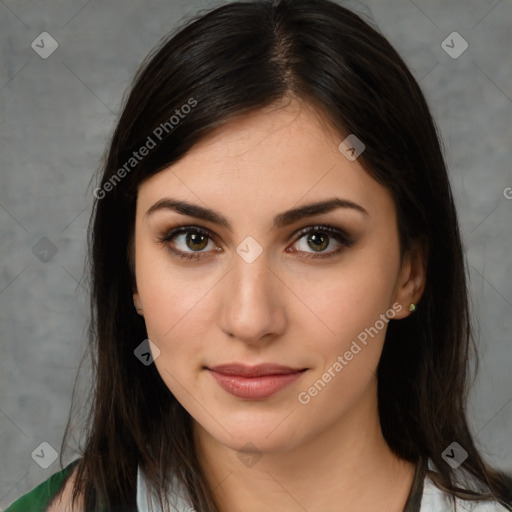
412 307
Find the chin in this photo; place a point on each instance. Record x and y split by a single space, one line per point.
269 434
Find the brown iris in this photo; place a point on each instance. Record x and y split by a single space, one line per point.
318 241
196 241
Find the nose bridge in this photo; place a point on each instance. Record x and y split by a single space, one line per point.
251 305
252 279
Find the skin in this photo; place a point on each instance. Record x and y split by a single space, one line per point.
285 308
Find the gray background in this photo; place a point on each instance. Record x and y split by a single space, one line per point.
56 117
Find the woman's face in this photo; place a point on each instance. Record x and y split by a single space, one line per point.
250 282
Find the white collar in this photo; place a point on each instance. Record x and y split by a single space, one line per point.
147 502
433 499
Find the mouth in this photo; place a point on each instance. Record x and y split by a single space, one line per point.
254 382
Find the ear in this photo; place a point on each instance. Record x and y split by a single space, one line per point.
137 303
411 281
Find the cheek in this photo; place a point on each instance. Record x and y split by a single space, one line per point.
347 330
342 302
177 309
348 359
174 315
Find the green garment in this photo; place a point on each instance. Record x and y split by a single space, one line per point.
40 497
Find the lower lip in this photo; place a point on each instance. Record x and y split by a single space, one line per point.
254 388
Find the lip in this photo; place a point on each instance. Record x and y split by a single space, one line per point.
254 382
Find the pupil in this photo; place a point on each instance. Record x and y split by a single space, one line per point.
319 239
196 241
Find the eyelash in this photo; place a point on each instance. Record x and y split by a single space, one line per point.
340 236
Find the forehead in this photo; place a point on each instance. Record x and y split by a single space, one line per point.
271 159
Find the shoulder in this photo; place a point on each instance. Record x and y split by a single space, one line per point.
62 501
42 496
434 499
147 499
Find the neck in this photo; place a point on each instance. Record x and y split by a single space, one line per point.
349 466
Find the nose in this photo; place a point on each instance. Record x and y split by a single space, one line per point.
251 302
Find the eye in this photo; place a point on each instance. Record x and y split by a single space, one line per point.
314 241
194 242
188 242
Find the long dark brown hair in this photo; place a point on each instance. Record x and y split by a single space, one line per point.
233 60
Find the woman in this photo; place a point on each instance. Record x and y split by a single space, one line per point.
275 216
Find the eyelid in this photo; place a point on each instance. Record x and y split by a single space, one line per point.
184 228
340 235
179 229
325 228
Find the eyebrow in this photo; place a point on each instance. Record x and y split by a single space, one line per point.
283 219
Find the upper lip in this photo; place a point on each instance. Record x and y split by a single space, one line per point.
254 371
